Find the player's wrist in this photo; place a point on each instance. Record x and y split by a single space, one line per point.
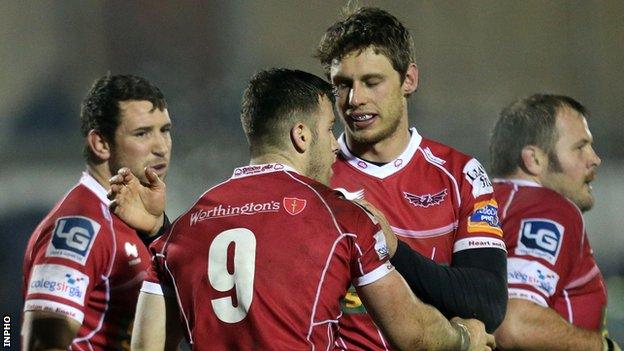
464 336
158 224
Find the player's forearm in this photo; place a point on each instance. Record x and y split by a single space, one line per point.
47 331
149 323
547 330
474 287
407 323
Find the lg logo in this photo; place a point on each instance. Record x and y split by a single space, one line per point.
540 237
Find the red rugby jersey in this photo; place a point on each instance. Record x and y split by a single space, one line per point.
262 260
550 260
437 200
87 264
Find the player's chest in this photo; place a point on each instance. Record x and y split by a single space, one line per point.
420 201
131 261
422 208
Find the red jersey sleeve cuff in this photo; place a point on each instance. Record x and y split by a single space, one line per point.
374 275
55 307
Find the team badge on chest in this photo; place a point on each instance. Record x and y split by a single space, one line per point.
426 200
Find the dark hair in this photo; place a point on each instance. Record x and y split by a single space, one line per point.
368 27
528 121
273 99
100 108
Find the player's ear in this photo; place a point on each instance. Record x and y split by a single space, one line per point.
300 136
99 145
410 84
534 160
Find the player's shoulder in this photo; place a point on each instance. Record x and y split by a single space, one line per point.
540 199
443 155
537 209
73 228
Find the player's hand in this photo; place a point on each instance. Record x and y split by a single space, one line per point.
141 206
391 239
480 340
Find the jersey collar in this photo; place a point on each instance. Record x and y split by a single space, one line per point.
88 181
389 168
518 182
251 170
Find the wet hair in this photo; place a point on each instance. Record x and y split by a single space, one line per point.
276 98
364 28
100 108
528 121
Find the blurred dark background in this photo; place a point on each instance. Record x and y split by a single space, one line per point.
474 58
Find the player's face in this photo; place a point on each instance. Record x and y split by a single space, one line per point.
142 139
370 98
323 148
577 160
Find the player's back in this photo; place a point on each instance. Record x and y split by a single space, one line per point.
261 261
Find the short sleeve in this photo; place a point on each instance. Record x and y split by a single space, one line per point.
478 223
156 281
73 258
544 253
370 261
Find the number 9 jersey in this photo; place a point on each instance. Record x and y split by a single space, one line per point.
262 260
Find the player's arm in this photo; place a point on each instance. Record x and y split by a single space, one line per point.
410 324
475 286
547 330
47 331
156 326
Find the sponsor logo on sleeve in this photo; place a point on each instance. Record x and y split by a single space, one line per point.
380 245
540 237
478 178
484 218
58 281
533 273
479 243
293 205
72 238
426 200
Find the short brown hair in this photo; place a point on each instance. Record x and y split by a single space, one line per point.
364 28
528 121
273 98
100 108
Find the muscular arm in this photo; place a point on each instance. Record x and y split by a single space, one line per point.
47 331
410 324
547 330
156 326
475 286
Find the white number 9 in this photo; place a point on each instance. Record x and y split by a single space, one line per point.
242 278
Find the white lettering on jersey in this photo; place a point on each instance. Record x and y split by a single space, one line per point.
533 273
478 178
58 281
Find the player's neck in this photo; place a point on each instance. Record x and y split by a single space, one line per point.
522 175
276 158
383 151
101 173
